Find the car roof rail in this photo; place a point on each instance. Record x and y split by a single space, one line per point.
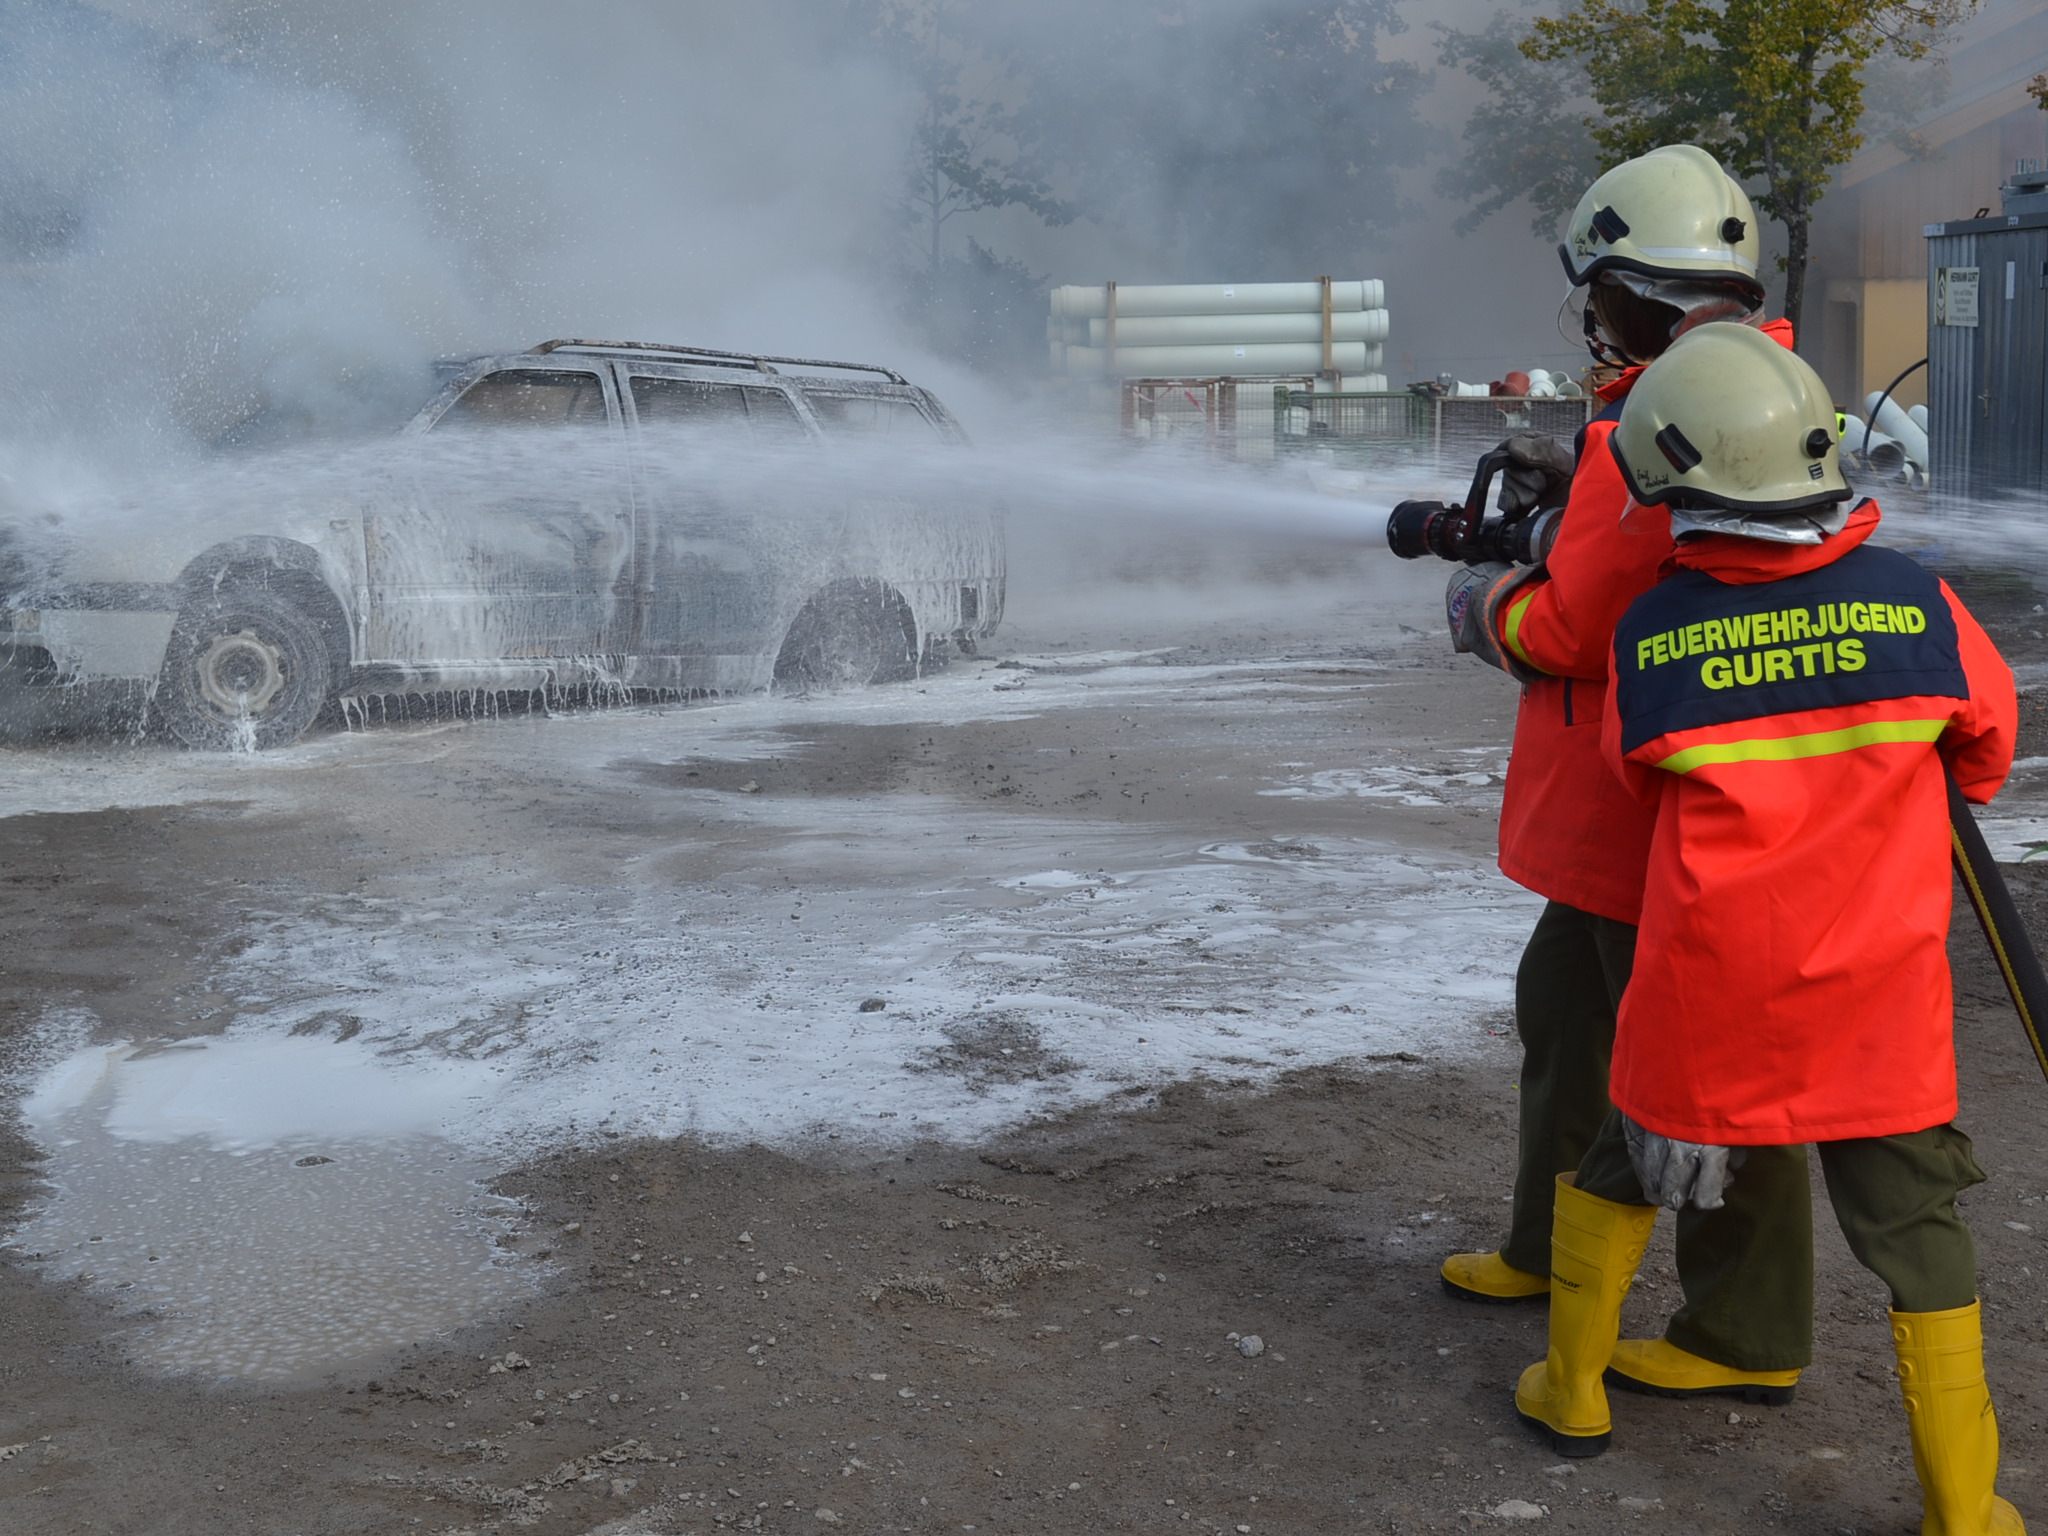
759 362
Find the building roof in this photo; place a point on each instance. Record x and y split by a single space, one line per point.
1998 51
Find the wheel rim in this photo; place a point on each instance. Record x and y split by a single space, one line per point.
844 660
240 675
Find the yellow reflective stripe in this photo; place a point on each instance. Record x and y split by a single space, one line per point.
1513 628
1785 749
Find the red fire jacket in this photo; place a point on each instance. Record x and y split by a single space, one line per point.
1567 830
1786 713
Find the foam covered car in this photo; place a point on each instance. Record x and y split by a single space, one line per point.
583 518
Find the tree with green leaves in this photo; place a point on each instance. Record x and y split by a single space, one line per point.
966 150
969 150
2038 89
1526 140
1203 139
1774 88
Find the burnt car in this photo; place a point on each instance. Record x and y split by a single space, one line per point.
583 517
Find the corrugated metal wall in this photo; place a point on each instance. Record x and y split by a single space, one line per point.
2016 368
1988 386
1951 377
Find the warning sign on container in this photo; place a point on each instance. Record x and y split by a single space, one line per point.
1955 296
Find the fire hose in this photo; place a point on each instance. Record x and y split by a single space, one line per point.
1462 533
1999 917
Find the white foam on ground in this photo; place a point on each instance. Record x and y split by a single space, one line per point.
2014 838
870 968
1229 960
109 775
1399 783
1023 964
1080 661
250 1090
265 1206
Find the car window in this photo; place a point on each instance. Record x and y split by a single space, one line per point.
870 415
663 402
528 397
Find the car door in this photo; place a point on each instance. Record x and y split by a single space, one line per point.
706 452
516 537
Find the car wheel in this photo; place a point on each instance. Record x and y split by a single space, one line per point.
247 669
847 637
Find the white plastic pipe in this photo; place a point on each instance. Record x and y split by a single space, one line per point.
1238 330
1224 362
1895 423
1139 302
1918 416
1351 384
1883 456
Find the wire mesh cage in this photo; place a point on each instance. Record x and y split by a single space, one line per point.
1406 427
1179 410
1229 417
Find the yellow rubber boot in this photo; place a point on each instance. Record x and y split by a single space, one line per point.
1489 1277
1595 1246
1661 1368
1955 1431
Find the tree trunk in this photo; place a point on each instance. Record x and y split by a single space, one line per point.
1797 221
934 194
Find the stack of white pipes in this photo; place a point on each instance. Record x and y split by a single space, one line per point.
1893 442
1222 330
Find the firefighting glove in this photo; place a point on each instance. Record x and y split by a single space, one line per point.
1472 599
1675 1174
1540 474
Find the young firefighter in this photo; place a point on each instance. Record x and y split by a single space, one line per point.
1789 703
1664 243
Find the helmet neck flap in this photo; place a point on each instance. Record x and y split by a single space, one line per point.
1811 526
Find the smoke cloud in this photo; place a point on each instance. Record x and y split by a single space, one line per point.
281 210
221 211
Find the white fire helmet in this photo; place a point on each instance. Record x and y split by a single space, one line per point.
1734 434
1670 214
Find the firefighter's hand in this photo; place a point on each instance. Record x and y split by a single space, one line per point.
1540 474
1675 1174
1465 608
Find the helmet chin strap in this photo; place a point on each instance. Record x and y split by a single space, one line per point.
1604 352
1697 304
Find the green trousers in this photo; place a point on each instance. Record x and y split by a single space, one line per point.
1895 1197
1746 1270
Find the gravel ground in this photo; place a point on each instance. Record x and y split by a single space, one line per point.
1147 1240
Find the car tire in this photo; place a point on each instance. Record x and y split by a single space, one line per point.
247 670
848 636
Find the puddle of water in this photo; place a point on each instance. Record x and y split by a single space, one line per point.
267 1208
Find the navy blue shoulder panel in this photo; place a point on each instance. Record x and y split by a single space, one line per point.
1693 651
1612 412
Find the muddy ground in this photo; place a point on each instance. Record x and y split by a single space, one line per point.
1026 1326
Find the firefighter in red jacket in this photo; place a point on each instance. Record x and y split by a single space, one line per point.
1664 244
1788 703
